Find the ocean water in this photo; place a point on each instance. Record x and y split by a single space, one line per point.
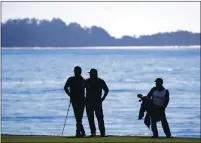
34 102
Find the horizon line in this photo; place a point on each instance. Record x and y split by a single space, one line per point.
105 48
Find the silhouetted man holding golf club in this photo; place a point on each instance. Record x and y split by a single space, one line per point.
94 100
160 100
77 85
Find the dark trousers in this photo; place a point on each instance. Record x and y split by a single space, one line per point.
96 107
159 115
78 108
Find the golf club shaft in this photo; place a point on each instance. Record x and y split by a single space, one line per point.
66 118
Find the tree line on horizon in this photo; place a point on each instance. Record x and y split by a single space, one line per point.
56 33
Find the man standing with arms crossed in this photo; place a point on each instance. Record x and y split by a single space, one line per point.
94 100
77 85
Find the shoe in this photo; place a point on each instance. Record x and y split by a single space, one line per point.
83 135
78 135
169 136
103 135
154 136
93 135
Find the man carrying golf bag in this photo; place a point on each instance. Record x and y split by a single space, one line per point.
77 85
160 99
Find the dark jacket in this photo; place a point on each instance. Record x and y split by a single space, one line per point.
94 89
77 87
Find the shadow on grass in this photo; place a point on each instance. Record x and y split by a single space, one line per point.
86 137
149 137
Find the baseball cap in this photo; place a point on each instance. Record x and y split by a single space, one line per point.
93 71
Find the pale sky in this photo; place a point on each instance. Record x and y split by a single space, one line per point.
118 18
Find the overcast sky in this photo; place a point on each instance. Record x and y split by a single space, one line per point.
118 18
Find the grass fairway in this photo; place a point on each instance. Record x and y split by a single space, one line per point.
59 139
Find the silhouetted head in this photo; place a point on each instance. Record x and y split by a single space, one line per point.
159 82
77 71
93 73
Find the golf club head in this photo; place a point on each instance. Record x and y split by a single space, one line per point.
140 96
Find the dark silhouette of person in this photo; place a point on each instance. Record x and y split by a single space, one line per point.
77 85
94 100
160 99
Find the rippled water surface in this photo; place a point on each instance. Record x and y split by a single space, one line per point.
33 100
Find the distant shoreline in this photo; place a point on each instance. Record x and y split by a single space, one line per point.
56 33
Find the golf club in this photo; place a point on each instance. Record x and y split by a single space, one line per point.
66 118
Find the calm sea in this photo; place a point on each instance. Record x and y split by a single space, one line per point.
34 102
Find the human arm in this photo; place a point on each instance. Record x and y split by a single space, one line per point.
150 92
166 101
66 87
105 89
